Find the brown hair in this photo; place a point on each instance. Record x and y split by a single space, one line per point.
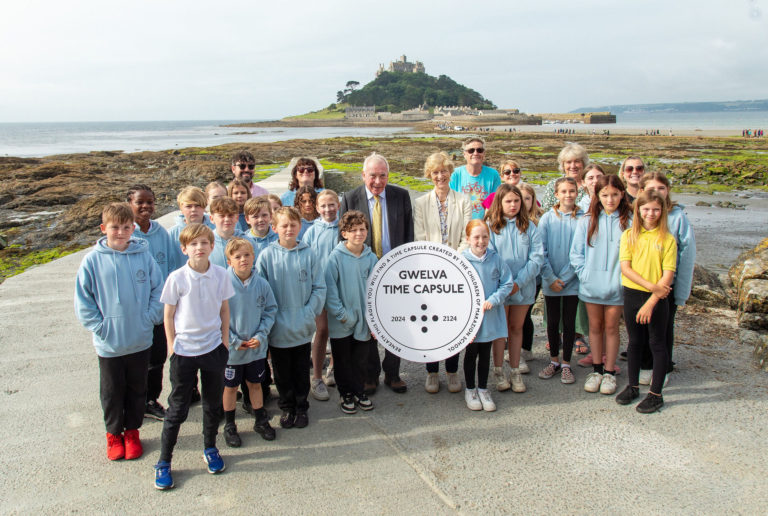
661 178
236 182
313 197
244 157
495 214
210 186
275 197
193 231
352 218
119 212
192 195
286 211
305 162
224 206
596 207
237 243
591 166
255 204
572 182
535 213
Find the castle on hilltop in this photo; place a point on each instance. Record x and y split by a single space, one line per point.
402 65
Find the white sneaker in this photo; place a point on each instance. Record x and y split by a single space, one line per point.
593 382
608 385
472 399
645 376
516 379
432 384
454 382
486 401
502 384
524 369
330 379
319 391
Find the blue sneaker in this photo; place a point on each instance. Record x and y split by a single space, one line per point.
214 460
163 478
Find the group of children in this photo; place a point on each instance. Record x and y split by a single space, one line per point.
222 291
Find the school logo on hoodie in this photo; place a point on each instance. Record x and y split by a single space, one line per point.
260 302
160 257
141 276
303 275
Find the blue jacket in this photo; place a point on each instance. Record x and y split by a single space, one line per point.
346 279
305 225
117 297
322 238
556 238
161 246
261 243
242 225
598 266
681 229
175 231
218 256
251 314
299 289
497 284
523 254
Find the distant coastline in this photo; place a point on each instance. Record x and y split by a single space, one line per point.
730 106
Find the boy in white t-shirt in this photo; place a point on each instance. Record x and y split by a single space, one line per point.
197 329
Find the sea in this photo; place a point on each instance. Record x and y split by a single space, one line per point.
37 139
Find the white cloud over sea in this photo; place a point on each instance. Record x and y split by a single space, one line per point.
164 60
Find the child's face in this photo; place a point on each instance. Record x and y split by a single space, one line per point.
198 249
510 205
566 194
650 212
239 195
287 229
328 207
260 221
306 205
143 205
478 240
356 235
193 212
528 201
118 234
215 193
225 223
590 179
610 198
659 187
275 205
241 261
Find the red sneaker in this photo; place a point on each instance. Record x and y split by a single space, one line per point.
115 447
133 448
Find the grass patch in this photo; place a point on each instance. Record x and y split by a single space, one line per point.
342 167
322 114
419 184
13 263
261 172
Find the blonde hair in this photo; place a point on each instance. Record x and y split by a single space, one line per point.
192 195
535 213
118 212
437 161
193 231
637 223
235 244
558 182
328 193
289 212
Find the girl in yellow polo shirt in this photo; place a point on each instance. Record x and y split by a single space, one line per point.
648 255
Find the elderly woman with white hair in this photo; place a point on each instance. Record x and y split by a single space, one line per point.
441 216
571 161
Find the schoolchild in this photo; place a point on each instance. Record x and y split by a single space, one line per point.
595 258
192 202
197 329
275 202
117 297
292 271
214 190
240 193
497 283
680 228
589 178
258 214
559 280
306 203
224 214
346 277
534 214
251 315
516 240
648 256
162 247
322 237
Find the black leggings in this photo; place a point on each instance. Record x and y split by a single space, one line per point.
647 358
528 328
477 355
451 365
653 335
569 306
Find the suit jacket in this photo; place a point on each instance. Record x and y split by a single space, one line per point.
399 212
426 219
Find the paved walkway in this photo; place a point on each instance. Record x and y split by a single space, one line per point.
555 449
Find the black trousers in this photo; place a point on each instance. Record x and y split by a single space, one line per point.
157 356
183 380
647 358
390 364
477 356
451 365
569 306
653 334
123 390
528 328
350 357
290 367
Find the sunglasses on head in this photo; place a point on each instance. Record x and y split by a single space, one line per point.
249 166
472 150
630 168
508 171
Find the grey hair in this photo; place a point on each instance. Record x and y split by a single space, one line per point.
374 156
570 152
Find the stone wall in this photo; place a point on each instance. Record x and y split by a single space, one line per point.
749 275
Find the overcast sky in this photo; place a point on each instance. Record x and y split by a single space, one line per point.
195 60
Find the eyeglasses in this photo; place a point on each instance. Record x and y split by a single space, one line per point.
515 171
305 170
630 168
472 150
249 166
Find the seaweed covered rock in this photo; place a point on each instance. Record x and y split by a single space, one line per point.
749 275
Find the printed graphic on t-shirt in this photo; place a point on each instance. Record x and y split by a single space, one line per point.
477 195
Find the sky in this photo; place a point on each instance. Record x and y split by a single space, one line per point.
193 60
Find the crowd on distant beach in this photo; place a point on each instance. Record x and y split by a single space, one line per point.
752 133
247 289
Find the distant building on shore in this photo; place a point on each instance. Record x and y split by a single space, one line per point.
598 117
402 65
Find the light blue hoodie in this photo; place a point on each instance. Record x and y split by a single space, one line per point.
556 237
681 229
252 313
322 238
175 231
117 297
161 246
261 243
346 278
523 254
218 256
242 224
598 266
299 289
305 225
497 284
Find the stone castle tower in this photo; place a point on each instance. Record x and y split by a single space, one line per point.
402 65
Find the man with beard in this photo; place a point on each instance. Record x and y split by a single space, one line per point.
243 164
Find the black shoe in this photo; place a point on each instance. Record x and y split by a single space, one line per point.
302 419
623 355
363 402
348 404
650 404
154 410
195 395
247 407
370 388
628 395
288 419
231 437
265 430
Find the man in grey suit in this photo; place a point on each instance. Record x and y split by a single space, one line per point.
396 220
